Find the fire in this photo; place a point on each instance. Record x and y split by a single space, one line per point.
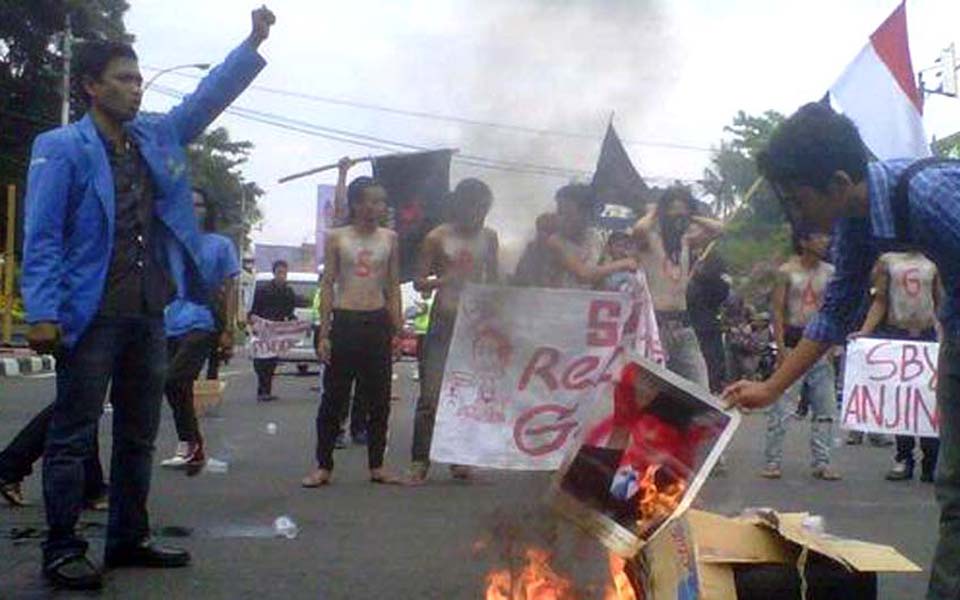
536 581
620 588
656 503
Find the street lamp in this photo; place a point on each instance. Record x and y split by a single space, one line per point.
200 66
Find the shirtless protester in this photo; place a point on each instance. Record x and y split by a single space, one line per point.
359 315
454 253
669 236
577 247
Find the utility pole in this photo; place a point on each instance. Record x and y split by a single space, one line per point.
67 58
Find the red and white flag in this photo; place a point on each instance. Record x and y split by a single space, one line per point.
879 92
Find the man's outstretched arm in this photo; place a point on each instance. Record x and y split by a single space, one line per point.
224 83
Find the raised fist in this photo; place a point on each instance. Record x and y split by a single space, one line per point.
262 20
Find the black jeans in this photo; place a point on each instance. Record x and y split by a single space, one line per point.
186 354
264 368
929 446
16 460
359 353
128 355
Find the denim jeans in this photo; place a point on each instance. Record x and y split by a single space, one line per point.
817 388
683 352
129 356
436 347
945 572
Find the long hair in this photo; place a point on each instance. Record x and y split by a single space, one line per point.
672 230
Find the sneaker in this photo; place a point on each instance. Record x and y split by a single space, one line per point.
855 438
825 473
880 440
771 471
12 493
461 472
900 471
196 460
99 504
179 458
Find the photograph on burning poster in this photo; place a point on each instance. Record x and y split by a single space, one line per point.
636 470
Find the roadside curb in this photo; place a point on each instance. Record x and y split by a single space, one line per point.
11 366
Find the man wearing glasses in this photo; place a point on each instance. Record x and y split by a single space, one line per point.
818 164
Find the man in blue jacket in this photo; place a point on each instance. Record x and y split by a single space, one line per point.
109 234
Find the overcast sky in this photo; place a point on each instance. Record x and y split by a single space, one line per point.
672 72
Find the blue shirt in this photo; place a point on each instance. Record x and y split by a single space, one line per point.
934 200
218 262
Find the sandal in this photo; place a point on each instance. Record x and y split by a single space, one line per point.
417 474
771 471
12 493
384 478
318 478
825 473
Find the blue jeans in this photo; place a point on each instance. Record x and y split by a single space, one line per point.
945 572
817 387
130 353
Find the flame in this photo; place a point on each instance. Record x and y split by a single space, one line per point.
656 503
620 588
536 581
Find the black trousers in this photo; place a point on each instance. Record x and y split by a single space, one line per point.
18 458
264 368
928 445
359 353
186 355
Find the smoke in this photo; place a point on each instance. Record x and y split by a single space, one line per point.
558 66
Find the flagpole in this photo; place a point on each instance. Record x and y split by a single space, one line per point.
331 166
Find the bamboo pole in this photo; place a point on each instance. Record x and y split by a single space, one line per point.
331 166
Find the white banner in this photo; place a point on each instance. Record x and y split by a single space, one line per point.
889 386
272 338
524 366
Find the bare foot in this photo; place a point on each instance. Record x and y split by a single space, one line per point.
318 478
381 475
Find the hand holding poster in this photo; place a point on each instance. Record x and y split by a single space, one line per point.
272 338
523 369
641 466
889 386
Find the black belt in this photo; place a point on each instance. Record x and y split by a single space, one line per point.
674 317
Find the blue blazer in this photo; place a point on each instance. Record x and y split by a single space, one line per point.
70 204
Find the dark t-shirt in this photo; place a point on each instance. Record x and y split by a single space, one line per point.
273 302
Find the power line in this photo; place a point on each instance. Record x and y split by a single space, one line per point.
452 118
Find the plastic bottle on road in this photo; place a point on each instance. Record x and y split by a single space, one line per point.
285 527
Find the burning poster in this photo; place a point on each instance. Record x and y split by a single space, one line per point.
640 467
524 366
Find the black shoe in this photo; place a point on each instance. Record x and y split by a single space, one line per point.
146 554
73 572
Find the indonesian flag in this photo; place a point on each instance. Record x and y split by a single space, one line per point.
879 92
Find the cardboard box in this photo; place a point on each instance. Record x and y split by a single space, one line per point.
207 395
705 556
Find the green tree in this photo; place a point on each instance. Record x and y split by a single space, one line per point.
214 166
757 238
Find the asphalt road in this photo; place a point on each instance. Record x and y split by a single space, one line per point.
358 540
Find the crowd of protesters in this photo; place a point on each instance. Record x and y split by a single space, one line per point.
137 303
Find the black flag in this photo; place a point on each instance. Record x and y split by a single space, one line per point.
417 185
619 190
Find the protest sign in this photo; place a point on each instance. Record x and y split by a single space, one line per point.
523 368
639 467
889 386
273 338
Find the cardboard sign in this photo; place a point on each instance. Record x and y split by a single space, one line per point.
272 338
524 366
889 386
638 468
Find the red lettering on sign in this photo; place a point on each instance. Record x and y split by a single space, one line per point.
873 361
363 267
933 416
932 365
540 364
910 361
549 421
602 323
606 376
853 407
576 376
